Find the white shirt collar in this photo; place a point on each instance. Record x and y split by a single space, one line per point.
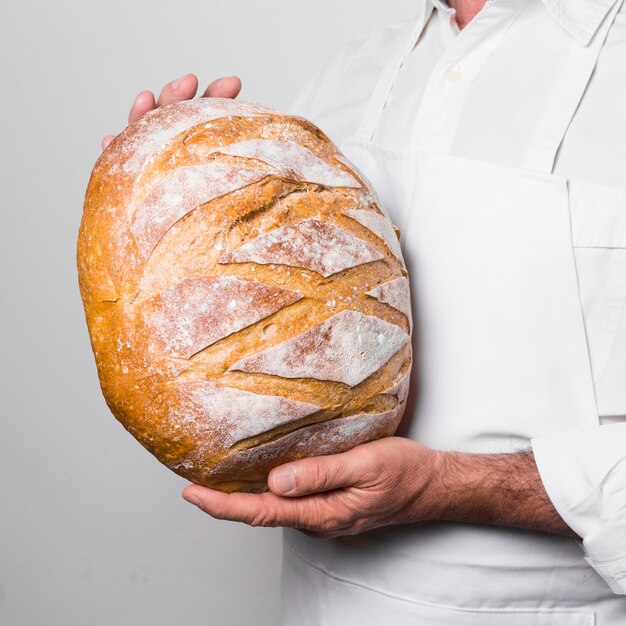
580 18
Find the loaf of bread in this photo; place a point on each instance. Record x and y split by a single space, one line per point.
245 294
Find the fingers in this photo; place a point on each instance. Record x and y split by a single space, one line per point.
318 474
183 88
106 141
265 509
227 87
143 103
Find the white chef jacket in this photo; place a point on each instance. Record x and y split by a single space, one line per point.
468 95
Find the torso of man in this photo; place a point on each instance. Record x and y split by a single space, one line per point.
478 91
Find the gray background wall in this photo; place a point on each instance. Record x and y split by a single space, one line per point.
92 528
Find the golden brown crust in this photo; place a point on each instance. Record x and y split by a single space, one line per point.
161 260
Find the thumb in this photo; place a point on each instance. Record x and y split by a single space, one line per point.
314 475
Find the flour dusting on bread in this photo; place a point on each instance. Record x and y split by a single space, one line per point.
156 128
180 192
395 293
380 225
311 244
246 297
232 414
330 437
197 312
292 161
347 347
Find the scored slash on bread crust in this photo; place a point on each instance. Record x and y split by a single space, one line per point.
400 387
329 437
395 293
378 224
197 312
292 161
311 244
182 191
234 414
246 297
347 347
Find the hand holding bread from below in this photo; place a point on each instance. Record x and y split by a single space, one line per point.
245 294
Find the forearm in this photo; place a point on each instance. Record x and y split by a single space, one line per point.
494 489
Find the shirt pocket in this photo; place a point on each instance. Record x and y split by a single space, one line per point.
598 218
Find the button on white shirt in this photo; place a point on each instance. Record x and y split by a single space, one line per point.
480 94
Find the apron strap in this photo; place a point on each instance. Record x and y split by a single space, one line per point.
406 42
566 96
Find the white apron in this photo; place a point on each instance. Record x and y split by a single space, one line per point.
500 356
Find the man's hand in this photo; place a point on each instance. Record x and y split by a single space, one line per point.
379 483
392 481
183 88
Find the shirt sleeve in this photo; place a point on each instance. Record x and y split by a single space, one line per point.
584 473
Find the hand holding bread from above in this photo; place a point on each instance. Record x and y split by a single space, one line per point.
183 88
246 296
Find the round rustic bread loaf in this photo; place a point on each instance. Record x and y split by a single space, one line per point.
245 294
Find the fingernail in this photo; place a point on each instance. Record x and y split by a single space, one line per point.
193 500
284 480
222 80
175 84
